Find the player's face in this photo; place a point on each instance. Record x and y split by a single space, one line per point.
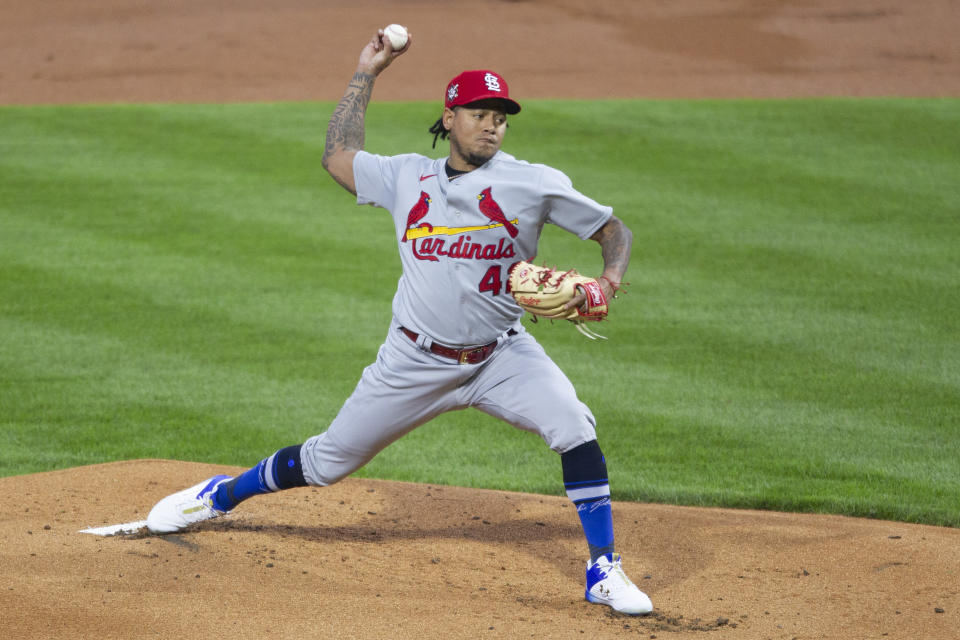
476 133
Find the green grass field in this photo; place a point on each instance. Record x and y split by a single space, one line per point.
186 282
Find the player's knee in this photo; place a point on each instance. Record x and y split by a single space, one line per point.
564 437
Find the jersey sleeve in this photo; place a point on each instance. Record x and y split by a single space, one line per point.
375 178
569 209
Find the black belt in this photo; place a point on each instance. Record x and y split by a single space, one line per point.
470 355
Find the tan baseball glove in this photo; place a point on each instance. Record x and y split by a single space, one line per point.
544 292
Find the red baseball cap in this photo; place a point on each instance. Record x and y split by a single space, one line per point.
479 84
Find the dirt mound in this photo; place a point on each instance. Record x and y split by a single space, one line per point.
376 559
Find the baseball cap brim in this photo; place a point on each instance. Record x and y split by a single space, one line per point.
509 106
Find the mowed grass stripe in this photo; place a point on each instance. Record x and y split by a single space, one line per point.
185 281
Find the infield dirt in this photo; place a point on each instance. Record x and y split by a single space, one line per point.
375 559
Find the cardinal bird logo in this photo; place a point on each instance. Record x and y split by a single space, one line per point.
490 208
418 211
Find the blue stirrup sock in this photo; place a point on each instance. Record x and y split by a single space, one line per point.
585 479
282 470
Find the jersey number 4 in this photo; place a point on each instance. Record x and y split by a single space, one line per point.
491 281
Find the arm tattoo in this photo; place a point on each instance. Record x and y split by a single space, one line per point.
615 240
346 128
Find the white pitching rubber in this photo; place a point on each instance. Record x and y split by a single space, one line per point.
114 529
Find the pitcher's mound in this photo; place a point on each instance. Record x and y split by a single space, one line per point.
376 559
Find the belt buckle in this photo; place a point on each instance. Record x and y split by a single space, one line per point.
466 353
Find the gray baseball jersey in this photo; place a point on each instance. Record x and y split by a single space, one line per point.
458 239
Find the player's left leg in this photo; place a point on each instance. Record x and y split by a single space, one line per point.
585 479
524 387
587 486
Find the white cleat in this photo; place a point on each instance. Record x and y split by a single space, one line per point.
608 584
180 510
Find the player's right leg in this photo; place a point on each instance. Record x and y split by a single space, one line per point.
181 509
404 388
218 495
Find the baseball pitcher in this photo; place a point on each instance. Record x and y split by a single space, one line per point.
466 228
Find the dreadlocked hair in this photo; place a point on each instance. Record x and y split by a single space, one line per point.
439 131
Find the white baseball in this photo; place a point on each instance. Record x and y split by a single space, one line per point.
397 34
